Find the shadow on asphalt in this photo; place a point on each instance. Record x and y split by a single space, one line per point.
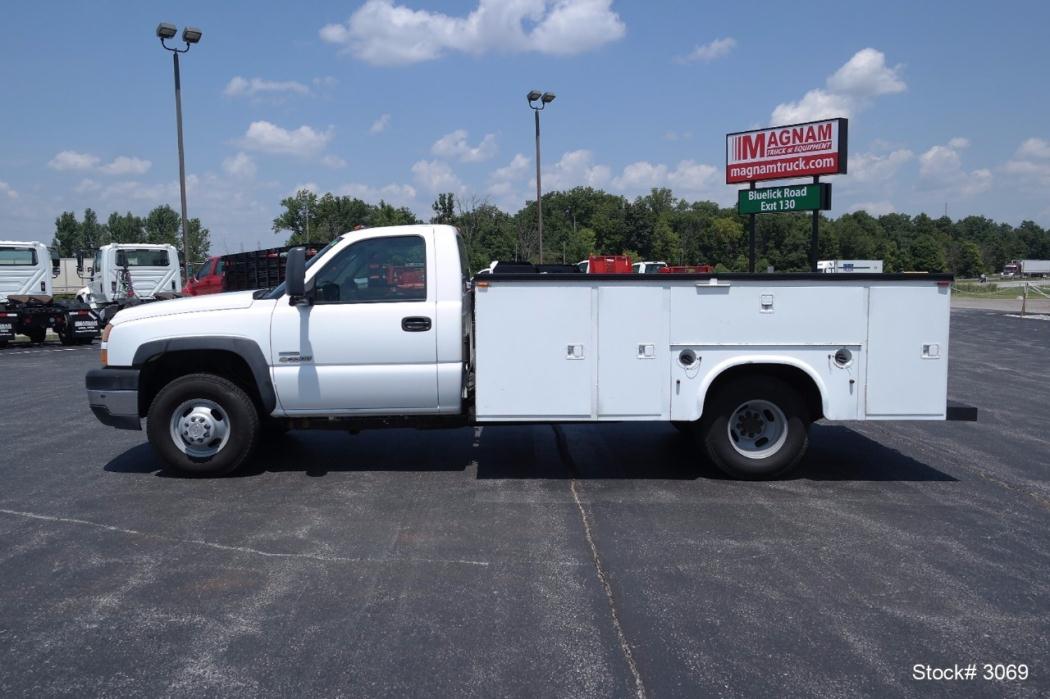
620 451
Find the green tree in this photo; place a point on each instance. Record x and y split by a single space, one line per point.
444 209
92 233
67 240
128 228
162 226
968 260
927 254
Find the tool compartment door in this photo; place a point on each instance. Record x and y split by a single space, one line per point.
907 374
632 352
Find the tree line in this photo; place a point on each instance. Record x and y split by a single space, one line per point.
661 227
162 225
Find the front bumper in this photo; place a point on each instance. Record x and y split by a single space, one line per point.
113 395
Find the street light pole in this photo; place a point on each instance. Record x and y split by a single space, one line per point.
182 164
542 99
190 35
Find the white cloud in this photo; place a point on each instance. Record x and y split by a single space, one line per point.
269 138
380 125
941 169
436 176
155 193
575 168
308 186
123 165
253 87
848 91
1031 162
710 51
872 167
396 194
326 81
382 33
7 191
1034 148
687 178
72 160
517 168
875 208
455 145
240 165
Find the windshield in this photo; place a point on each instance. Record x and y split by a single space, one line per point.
18 257
204 270
278 291
142 257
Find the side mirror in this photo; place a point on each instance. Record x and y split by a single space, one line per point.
56 263
182 258
80 262
295 275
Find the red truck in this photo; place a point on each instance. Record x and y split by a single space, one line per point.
258 269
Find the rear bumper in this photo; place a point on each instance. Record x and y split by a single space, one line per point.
113 396
960 412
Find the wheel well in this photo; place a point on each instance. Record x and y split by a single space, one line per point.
161 370
791 375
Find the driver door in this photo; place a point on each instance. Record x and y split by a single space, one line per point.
366 344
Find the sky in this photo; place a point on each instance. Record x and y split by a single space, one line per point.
402 99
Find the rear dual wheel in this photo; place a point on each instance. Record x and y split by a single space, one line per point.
755 427
203 425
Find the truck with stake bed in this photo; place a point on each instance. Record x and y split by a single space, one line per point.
743 363
27 303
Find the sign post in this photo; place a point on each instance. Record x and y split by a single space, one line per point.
810 149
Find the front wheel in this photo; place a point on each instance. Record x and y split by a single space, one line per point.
202 424
755 427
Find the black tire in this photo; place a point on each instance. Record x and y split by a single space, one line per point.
719 441
67 338
36 335
243 424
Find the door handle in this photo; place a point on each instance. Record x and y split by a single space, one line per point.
415 324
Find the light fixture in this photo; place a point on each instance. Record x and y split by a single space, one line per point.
547 97
191 35
166 31
532 96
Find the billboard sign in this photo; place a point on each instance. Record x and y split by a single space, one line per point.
784 152
793 197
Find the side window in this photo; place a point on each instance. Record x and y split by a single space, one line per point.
376 270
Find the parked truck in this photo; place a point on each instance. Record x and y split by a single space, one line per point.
27 303
240 271
743 363
849 266
1027 268
127 274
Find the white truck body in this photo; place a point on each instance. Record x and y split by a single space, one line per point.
647 267
152 269
534 348
27 306
850 266
1033 267
25 269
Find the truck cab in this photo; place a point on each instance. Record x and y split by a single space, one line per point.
123 270
208 279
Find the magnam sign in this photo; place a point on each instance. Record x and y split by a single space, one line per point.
781 152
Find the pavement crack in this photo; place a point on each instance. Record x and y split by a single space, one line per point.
234 549
603 578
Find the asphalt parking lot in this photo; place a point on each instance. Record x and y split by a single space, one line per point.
579 561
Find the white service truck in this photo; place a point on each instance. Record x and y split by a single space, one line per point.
1027 268
27 303
384 327
126 274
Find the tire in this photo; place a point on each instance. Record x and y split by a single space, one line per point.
67 338
773 410
203 425
36 335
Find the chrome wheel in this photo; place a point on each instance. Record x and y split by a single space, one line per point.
757 429
200 428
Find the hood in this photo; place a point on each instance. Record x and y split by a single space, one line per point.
191 304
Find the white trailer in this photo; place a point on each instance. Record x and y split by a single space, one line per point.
1027 268
27 304
384 328
124 274
850 266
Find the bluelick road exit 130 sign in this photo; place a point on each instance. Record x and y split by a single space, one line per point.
794 197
